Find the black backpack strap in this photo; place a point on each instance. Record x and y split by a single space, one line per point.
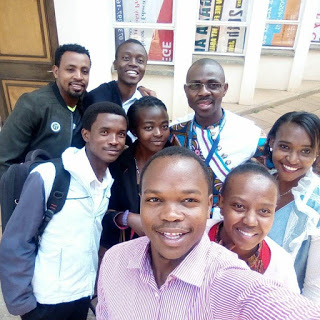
58 194
37 154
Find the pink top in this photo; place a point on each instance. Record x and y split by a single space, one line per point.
210 283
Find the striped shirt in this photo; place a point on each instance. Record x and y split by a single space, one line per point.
210 283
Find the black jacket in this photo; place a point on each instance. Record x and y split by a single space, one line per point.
105 92
39 120
124 196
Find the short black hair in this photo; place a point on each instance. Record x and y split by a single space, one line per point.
143 103
130 41
91 113
248 167
179 152
306 120
69 47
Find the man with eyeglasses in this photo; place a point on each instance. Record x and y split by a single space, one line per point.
221 138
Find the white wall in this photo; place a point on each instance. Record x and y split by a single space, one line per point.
88 23
233 73
312 67
274 72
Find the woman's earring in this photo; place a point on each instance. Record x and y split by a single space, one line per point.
270 149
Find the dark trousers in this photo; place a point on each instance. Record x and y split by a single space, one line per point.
74 310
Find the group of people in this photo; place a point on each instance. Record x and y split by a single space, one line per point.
194 199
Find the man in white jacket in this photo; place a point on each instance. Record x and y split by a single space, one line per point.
57 280
219 137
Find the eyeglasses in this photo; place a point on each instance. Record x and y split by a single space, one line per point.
210 86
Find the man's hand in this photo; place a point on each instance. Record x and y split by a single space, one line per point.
134 222
147 92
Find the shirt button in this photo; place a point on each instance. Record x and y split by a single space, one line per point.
156 295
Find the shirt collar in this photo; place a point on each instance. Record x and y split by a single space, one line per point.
81 168
136 96
212 126
190 270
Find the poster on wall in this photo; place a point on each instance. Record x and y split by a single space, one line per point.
281 35
221 39
158 43
316 30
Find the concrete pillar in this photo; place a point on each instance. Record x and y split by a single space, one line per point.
257 22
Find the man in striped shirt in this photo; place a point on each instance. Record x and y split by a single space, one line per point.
175 272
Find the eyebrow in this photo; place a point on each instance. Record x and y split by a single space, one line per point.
152 121
209 80
187 191
233 198
288 142
133 53
110 128
149 121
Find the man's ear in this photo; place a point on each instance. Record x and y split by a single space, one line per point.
210 203
55 71
115 65
85 134
185 89
225 88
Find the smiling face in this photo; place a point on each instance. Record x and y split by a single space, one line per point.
106 139
292 153
248 208
206 103
131 63
72 76
174 208
152 128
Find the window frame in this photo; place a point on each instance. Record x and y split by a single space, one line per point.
216 23
287 22
146 25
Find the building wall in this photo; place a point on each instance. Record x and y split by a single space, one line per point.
312 67
90 23
274 72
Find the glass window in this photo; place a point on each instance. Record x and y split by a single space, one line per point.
221 26
149 21
282 23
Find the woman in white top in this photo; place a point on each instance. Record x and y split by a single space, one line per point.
294 144
247 203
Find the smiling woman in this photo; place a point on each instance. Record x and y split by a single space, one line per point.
294 144
149 122
247 203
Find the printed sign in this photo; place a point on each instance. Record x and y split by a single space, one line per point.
221 39
281 35
158 43
316 30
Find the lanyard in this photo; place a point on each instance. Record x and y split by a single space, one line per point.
215 142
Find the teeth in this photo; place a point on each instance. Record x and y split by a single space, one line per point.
246 233
289 168
172 235
134 73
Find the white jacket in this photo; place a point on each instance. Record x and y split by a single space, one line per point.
67 261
